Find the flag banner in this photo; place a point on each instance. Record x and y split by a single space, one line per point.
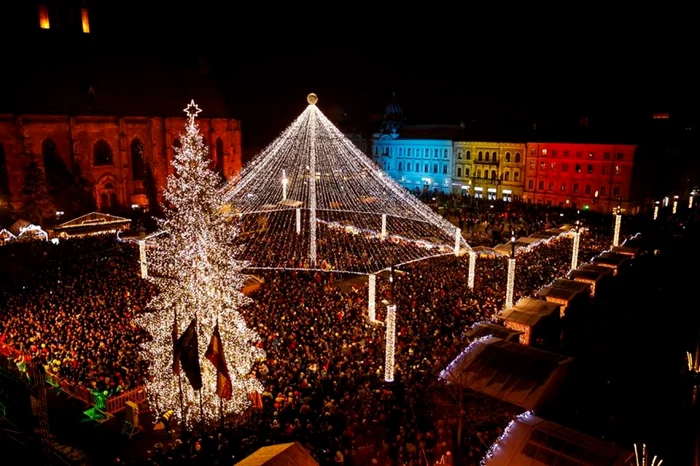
215 354
188 352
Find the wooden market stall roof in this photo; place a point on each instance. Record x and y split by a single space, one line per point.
94 222
529 311
484 329
565 289
530 440
595 268
588 274
626 250
517 374
283 454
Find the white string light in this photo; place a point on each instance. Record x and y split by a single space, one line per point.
349 195
616 232
390 342
656 210
371 297
197 274
690 202
458 239
511 282
501 438
574 249
143 259
643 458
284 185
472 270
675 205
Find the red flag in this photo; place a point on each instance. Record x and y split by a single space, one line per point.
215 354
176 356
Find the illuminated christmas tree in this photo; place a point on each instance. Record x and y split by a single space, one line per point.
193 264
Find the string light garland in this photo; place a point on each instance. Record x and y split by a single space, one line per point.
616 231
142 259
496 445
643 458
447 373
690 202
510 285
675 205
195 268
371 297
472 270
574 249
352 216
656 210
390 340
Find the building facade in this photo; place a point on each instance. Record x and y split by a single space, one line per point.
581 176
489 170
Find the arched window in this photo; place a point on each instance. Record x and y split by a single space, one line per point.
400 166
4 177
56 171
493 174
102 153
481 156
517 157
138 166
469 155
507 174
219 156
507 156
487 156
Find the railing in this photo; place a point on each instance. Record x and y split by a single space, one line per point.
111 405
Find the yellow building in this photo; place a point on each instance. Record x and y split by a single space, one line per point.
489 170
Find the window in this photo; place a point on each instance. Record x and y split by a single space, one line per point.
563 187
444 169
138 168
85 20
487 158
533 152
541 185
44 17
590 155
507 156
435 168
516 175
589 169
400 167
436 153
478 173
604 169
579 154
578 168
532 164
588 189
620 156
543 165
551 186
493 175
517 157
575 189
566 153
408 166
617 170
400 151
554 153
544 151
553 166
426 168
606 155
4 178
445 154
459 154
481 156
530 184
495 156
102 153
459 172
466 173
616 191
602 190
469 155
427 152
565 167
506 176
219 167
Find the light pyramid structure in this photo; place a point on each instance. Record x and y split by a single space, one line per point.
350 217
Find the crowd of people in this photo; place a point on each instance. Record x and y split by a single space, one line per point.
323 374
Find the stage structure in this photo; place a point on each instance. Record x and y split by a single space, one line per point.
312 200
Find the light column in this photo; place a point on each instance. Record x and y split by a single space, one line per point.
312 188
675 205
284 185
656 210
472 270
510 283
383 236
142 258
690 202
458 238
371 297
616 231
298 221
574 249
390 341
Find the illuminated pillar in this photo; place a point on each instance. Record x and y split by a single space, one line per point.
574 250
312 188
371 298
298 221
616 231
472 270
142 258
656 210
284 185
690 202
383 227
675 204
511 282
390 343
458 239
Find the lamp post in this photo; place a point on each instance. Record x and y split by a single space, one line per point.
510 284
574 249
618 222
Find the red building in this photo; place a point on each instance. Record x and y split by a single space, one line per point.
581 176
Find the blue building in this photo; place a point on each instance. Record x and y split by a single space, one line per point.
420 157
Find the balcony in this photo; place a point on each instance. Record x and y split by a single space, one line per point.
485 181
487 162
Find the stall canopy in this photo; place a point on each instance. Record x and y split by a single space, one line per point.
529 311
25 230
284 454
532 441
609 258
563 289
484 329
626 250
595 268
6 235
92 223
251 283
510 372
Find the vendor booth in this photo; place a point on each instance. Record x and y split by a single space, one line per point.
537 319
567 293
612 260
27 231
484 329
593 278
94 223
626 250
6 235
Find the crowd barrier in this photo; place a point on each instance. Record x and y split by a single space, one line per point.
112 404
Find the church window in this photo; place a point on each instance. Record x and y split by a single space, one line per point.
507 156
102 153
138 167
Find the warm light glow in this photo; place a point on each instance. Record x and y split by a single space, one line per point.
642 459
371 298
85 20
511 283
472 270
675 204
656 210
340 193
574 249
142 259
524 337
390 342
690 202
616 231
196 272
44 17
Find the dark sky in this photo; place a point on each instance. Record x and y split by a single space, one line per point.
446 64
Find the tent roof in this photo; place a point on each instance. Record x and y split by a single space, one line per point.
587 274
564 289
596 268
6 234
484 329
514 373
626 250
612 258
284 454
529 311
92 219
532 441
18 225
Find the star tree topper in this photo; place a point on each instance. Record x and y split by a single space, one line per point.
192 110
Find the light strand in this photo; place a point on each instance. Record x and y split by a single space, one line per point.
510 283
390 341
371 297
472 270
574 250
616 231
493 449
